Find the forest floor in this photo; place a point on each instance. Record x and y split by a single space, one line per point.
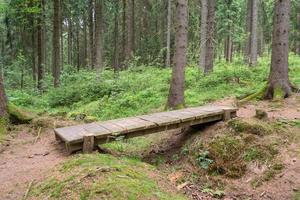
28 156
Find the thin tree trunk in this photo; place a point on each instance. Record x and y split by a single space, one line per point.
254 22
248 31
130 30
70 40
298 30
85 42
116 38
56 42
209 59
169 21
40 46
33 49
279 83
78 46
176 94
61 36
91 33
124 42
98 37
204 13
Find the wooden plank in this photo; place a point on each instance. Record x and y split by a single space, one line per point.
133 124
71 133
97 130
160 119
112 127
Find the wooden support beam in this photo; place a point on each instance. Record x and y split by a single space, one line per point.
88 143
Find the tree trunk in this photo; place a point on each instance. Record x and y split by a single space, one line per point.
204 13
70 40
33 49
248 31
254 25
116 38
85 42
98 37
176 95
40 46
124 33
169 24
279 84
209 58
56 42
298 30
3 100
91 34
130 30
78 63
61 36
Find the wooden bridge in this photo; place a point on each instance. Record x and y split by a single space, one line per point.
87 136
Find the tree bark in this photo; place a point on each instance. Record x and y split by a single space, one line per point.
3 100
85 42
169 24
98 37
130 30
298 30
176 94
61 36
70 40
248 31
56 42
203 30
40 46
254 33
91 34
116 38
279 84
209 58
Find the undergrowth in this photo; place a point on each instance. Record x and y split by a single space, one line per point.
141 89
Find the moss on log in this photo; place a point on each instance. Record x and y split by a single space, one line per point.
18 115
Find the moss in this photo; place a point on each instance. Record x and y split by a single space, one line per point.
226 152
278 93
17 115
3 128
296 195
261 153
103 177
252 126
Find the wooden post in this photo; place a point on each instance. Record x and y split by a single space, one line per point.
226 115
88 143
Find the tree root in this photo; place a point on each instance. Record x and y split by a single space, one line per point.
257 95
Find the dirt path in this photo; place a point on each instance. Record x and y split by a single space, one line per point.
26 160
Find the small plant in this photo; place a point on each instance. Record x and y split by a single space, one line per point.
215 193
204 161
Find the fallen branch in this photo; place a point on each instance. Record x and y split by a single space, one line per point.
38 135
28 190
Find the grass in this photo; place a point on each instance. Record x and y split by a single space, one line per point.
104 177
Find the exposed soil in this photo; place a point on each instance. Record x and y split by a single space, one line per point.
27 157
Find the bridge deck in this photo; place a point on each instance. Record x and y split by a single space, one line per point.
107 131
